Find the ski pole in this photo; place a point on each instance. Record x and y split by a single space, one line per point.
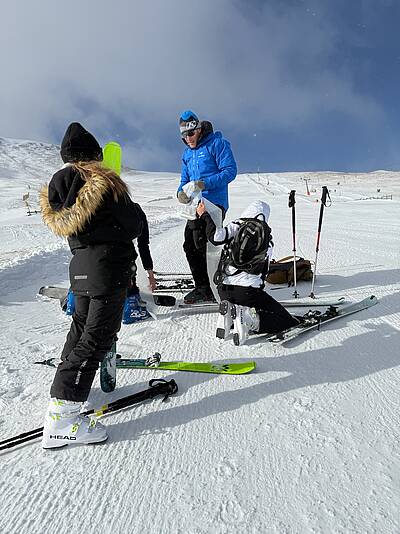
292 202
158 386
325 195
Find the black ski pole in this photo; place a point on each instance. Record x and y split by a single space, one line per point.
158 386
292 202
325 195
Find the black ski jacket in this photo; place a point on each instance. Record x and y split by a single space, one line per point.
98 226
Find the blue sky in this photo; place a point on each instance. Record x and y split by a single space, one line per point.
293 84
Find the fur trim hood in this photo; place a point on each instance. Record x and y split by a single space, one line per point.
66 218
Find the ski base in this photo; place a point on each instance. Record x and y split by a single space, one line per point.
53 292
108 371
179 284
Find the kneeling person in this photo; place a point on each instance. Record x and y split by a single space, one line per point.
240 277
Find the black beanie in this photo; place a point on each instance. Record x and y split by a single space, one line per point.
79 145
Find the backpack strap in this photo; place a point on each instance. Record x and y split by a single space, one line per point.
264 273
223 263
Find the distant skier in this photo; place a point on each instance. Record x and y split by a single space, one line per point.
91 206
208 162
244 303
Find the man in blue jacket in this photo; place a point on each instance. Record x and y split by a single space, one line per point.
209 163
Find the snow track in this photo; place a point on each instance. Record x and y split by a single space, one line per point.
307 443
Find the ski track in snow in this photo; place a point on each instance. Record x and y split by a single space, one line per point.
307 443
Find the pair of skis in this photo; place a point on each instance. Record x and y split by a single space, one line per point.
314 319
156 387
182 282
56 292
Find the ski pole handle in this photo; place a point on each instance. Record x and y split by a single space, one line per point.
292 200
324 196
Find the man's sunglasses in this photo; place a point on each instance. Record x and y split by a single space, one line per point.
189 133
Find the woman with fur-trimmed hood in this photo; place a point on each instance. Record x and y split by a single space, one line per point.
90 206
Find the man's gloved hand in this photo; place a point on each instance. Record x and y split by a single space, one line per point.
199 185
183 198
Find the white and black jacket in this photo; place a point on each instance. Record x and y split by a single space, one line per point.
221 236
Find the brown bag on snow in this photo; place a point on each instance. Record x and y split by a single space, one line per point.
281 271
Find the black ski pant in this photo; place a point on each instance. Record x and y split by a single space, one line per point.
95 323
273 316
195 248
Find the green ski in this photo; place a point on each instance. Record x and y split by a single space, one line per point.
229 368
195 367
112 157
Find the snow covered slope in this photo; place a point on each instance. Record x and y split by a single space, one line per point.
307 443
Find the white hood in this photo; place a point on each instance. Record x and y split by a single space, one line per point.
256 208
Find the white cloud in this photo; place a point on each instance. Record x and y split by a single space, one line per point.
140 63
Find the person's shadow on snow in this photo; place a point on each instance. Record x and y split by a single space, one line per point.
375 278
355 358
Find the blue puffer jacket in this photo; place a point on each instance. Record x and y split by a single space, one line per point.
212 162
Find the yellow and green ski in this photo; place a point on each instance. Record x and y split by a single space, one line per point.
229 368
223 368
112 157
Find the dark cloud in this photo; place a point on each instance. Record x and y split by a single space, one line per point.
128 68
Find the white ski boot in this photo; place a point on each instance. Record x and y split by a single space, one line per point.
64 425
244 320
225 320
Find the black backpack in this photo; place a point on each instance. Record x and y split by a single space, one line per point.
246 250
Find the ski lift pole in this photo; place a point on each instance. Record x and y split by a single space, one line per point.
292 202
325 195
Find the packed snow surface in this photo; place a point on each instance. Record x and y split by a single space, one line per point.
307 443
